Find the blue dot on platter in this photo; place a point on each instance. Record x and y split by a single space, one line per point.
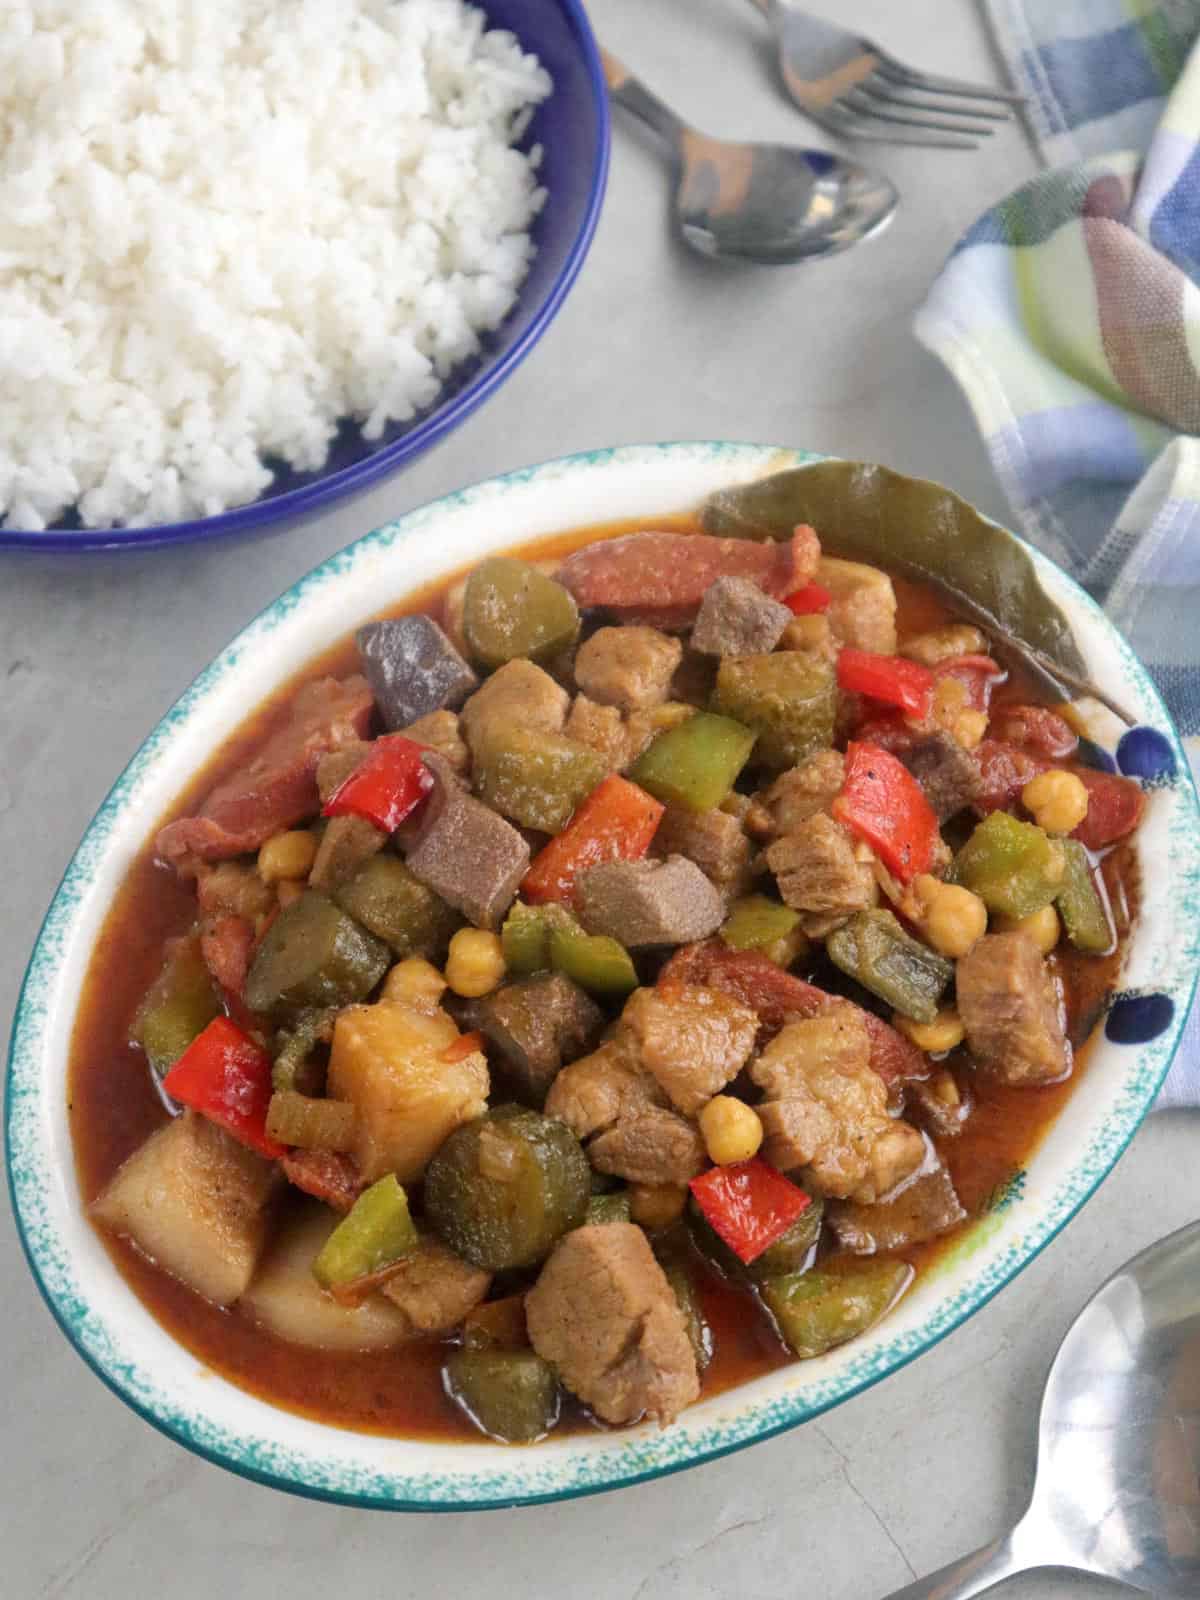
1138 1018
1145 753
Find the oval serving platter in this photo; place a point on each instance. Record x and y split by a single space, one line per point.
119 1338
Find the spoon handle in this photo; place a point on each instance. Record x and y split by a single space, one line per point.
970 1575
634 96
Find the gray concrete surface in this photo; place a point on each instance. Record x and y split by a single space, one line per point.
653 345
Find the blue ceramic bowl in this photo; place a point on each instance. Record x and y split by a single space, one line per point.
572 127
138 1359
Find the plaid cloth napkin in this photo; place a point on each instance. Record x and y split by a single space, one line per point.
1070 316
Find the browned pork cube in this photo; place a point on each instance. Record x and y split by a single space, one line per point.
194 1200
601 728
464 852
603 1089
656 1147
605 1317
714 840
1011 1010
536 1025
737 619
800 793
692 1040
646 903
629 667
817 873
440 731
862 612
436 1289
519 694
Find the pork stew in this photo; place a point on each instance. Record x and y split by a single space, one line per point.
612 978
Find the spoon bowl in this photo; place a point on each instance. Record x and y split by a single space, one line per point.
769 204
1118 1482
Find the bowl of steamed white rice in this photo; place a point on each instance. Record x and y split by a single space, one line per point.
257 254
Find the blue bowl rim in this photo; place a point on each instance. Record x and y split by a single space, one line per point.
789 1412
297 504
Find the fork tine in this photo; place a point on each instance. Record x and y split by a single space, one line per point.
868 106
849 125
932 83
897 95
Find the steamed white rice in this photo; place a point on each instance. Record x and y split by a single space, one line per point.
228 225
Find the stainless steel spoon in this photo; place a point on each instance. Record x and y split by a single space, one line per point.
767 203
1118 1484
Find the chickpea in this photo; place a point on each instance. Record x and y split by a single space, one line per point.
414 982
1056 800
656 1205
475 964
287 857
944 644
951 917
942 1034
1043 927
732 1130
969 728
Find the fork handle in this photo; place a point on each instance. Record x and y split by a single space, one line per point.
626 90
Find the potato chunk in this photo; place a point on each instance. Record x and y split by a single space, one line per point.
388 1060
194 1200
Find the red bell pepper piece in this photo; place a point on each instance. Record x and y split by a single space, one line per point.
387 787
892 679
226 1077
883 803
810 601
978 674
615 823
1115 807
749 1205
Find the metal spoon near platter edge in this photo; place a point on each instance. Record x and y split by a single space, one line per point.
1118 1480
770 204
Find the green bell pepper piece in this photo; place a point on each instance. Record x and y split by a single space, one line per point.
1014 867
874 950
525 937
593 961
815 1311
609 1207
376 1232
757 923
696 764
397 908
512 1395
687 1297
179 1005
1081 905
296 1065
314 954
510 609
788 698
535 778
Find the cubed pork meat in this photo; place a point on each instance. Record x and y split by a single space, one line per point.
1011 1010
647 903
691 1040
227 945
435 1289
518 693
657 1147
413 669
924 1208
278 788
941 1104
464 852
536 1025
714 840
325 1174
604 1315
819 875
440 731
195 1201
862 612
777 997
232 890
948 774
603 1089
800 793
826 1109
601 728
348 843
630 667
737 619
660 579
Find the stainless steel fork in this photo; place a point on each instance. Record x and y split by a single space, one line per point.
855 89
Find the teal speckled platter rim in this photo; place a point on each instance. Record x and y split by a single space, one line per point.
112 1333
